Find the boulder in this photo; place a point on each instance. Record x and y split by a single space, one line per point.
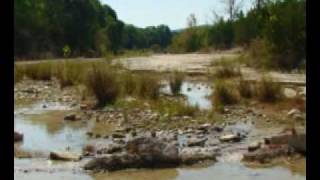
196 154
154 148
254 146
64 156
111 148
267 153
146 152
278 139
18 137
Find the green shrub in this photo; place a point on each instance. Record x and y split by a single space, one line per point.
268 91
102 82
128 83
224 94
175 82
148 86
245 89
70 73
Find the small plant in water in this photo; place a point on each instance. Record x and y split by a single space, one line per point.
175 82
224 94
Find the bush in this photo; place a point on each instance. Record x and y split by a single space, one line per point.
245 89
128 83
224 94
268 91
175 82
102 82
148 86
70 73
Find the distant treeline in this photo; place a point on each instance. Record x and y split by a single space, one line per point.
53 28
274 29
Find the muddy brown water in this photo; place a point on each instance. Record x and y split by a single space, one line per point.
44 131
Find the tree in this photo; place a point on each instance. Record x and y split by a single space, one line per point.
191 21
232 7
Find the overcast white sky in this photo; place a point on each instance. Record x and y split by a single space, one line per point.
173 13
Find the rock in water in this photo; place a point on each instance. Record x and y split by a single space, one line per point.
18 137
72 117
196 142
64 156
146 152
196 154
254 146
230 138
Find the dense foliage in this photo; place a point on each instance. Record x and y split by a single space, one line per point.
68 28
46 28
279 26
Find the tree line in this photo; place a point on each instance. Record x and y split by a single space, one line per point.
54 28
274 29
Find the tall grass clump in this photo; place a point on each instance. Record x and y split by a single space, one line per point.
245 88
70 73
224 94
175 82
148 86
39 71
102 82
226 69
18 73
128 83
268 91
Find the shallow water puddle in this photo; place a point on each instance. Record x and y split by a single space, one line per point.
219 171
196 92
45 130
49 136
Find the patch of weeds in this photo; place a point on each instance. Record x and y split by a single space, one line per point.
268 91
70 73
148 86
245 88
39 71
128 83
175 82
224 94
102 82
175 108
226 68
